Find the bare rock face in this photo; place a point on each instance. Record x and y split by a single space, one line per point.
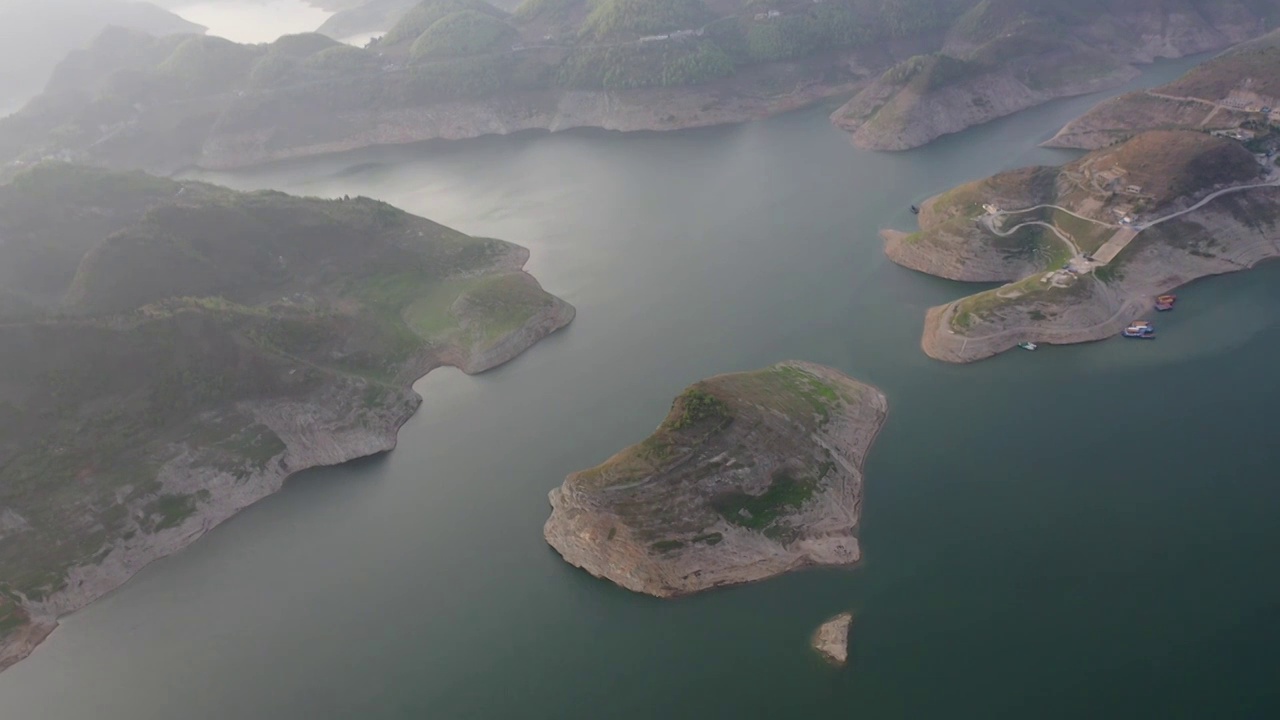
750 475
831 639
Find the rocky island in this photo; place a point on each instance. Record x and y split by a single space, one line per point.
750 475
831 639
1236 93
171 352
1085 248
1002 56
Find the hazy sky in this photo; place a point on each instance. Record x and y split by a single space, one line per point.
36 34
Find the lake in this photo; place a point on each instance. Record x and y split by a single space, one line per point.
253 21
1083 531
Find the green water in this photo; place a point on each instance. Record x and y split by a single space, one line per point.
1086 531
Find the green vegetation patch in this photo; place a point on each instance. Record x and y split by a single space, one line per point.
12 616
985 306
669 63
820 396
209 63
759 512
553 11
168 511
427 13
256 444
713 538
611 18
924 73
666 546
466 32
696 406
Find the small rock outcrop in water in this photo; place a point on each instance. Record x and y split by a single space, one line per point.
750 475
831 639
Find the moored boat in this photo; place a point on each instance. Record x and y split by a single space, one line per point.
1027 345
1165 303
1141 329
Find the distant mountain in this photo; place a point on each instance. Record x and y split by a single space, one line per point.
372 16
1006 55
36 34
171 351
450 69
462 68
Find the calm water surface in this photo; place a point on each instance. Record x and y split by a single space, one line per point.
1086 531
254 21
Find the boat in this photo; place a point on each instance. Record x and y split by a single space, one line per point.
915 210
1164 303
1027 345
1140 329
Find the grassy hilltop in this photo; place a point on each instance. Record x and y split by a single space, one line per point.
169 350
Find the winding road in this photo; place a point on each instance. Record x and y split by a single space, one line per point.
1125 234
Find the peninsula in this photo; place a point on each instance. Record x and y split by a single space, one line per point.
1002 56
750 475
1235 94
171 352
1087 247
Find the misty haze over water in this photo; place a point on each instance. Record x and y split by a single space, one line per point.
1023 558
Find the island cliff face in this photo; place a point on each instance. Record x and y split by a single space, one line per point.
750 475
1086 248
172 352
1008 55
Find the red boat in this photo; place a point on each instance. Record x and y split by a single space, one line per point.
1165 302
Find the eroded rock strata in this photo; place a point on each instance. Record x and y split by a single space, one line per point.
750 475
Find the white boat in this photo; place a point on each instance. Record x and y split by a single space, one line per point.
1027 345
